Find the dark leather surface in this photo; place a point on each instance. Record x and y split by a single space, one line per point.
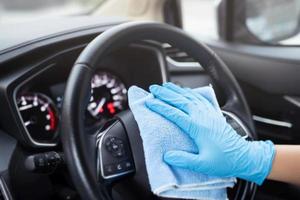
74 139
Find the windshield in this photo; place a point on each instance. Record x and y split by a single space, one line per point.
24 10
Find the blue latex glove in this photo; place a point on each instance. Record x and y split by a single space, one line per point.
222 152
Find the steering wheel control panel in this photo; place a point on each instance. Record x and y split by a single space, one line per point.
114 157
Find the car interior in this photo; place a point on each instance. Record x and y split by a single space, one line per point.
66 67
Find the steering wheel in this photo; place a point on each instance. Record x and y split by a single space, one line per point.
93 163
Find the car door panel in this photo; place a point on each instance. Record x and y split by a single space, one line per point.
270 78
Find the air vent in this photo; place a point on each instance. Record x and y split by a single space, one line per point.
177 55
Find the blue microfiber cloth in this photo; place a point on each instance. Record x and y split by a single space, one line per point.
160 135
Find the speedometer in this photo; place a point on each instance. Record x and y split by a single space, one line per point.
39 116
108 96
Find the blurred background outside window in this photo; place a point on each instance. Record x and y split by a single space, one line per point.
270 21
199 16
25 10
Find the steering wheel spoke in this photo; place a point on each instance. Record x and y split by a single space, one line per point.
232 110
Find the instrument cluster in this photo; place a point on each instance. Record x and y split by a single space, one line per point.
40 112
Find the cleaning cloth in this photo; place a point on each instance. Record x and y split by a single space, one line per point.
159 136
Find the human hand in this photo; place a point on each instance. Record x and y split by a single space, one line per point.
221 151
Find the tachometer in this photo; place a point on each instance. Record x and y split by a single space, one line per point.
39 116
109 96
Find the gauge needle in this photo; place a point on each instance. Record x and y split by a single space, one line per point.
99 106
25 107
27 123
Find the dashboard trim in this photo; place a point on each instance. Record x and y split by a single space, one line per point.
184 64
293 100
272 121
3 190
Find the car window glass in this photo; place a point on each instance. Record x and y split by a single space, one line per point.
199 17
12 11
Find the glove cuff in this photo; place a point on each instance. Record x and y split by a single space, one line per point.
258 165
270 153
264 151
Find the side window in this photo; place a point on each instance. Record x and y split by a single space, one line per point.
274 21
199 17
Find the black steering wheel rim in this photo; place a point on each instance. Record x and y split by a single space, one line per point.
78 88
